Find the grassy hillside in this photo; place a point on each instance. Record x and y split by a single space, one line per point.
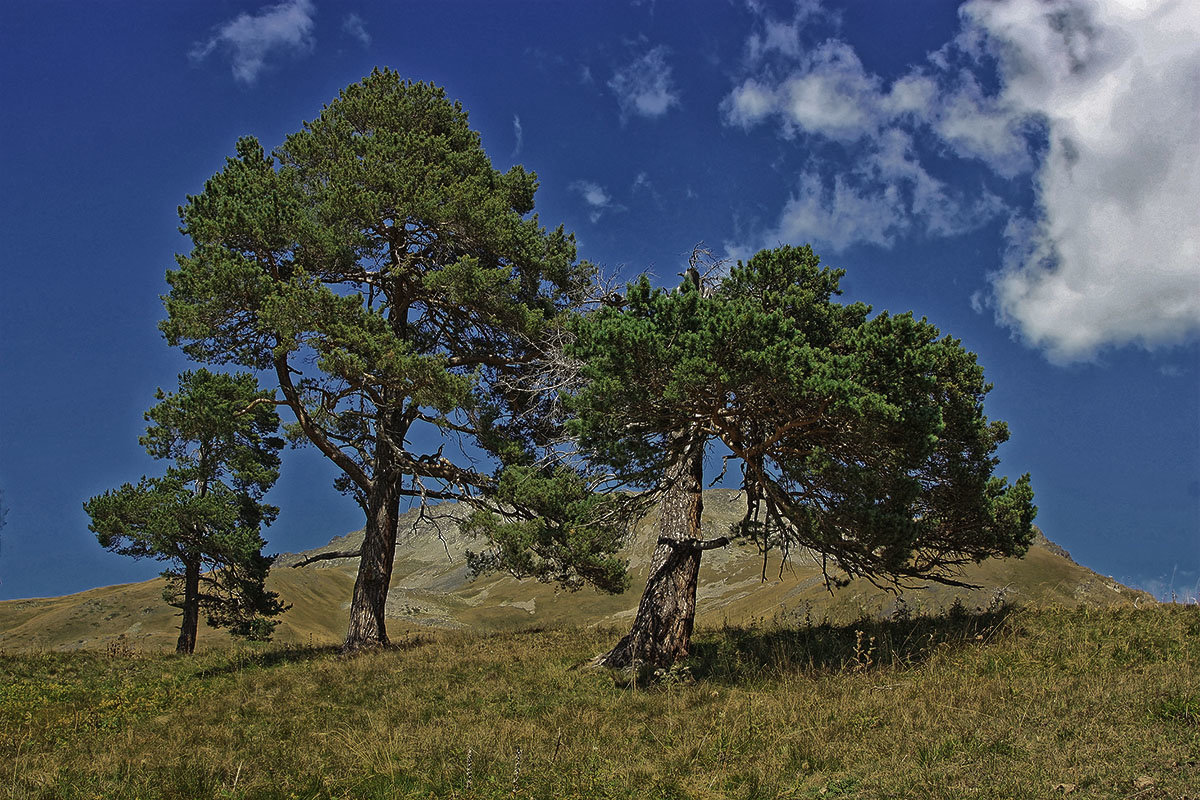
431 588
1025 704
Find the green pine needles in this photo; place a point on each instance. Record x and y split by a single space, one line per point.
397 286
219 433
404 296
862 438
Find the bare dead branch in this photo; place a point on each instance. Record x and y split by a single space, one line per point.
329 556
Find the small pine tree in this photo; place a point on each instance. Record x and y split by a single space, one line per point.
204 515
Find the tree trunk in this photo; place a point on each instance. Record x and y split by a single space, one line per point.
662 630
367 626
191 608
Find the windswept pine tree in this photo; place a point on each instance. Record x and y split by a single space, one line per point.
860 437
220 434
397 286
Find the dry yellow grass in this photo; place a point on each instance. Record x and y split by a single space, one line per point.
1026 704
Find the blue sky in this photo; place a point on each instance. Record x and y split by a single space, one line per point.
1026 174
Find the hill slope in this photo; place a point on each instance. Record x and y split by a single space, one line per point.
1026 705
432 587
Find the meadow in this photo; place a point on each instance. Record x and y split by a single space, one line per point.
995 703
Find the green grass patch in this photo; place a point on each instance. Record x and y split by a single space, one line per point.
996 704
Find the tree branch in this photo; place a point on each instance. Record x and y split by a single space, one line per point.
260 402
315 434
329 556
696 545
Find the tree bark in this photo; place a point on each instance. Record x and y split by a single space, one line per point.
367 626
662 629
191 608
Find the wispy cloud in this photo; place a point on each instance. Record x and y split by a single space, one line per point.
1178 586
643 184
781 36
251 39
887 195
518 135
596 197
354 26
644 87
1095 105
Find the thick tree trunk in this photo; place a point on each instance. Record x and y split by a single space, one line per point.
367 626
662 630
191 608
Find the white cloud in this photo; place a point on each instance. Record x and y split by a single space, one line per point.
831 95
1096 103
828 94
518 135
749 104
779 36
354 26
597 199
839 215
889 194
644 87
250 39
978 126
1113 257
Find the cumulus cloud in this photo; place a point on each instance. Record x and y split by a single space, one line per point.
597 199
974 125
828 93
644 87
251 39
1095 103
1113 256
354 26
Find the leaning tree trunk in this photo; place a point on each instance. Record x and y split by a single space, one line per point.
367 626
662 630
191 607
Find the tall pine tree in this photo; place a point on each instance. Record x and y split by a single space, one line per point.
398 287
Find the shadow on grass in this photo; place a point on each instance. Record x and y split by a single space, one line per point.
264 658
738 654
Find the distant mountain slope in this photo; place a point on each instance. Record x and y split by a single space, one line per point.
432 587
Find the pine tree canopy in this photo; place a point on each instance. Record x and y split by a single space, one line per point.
401 291
219 433
861 437
381 267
